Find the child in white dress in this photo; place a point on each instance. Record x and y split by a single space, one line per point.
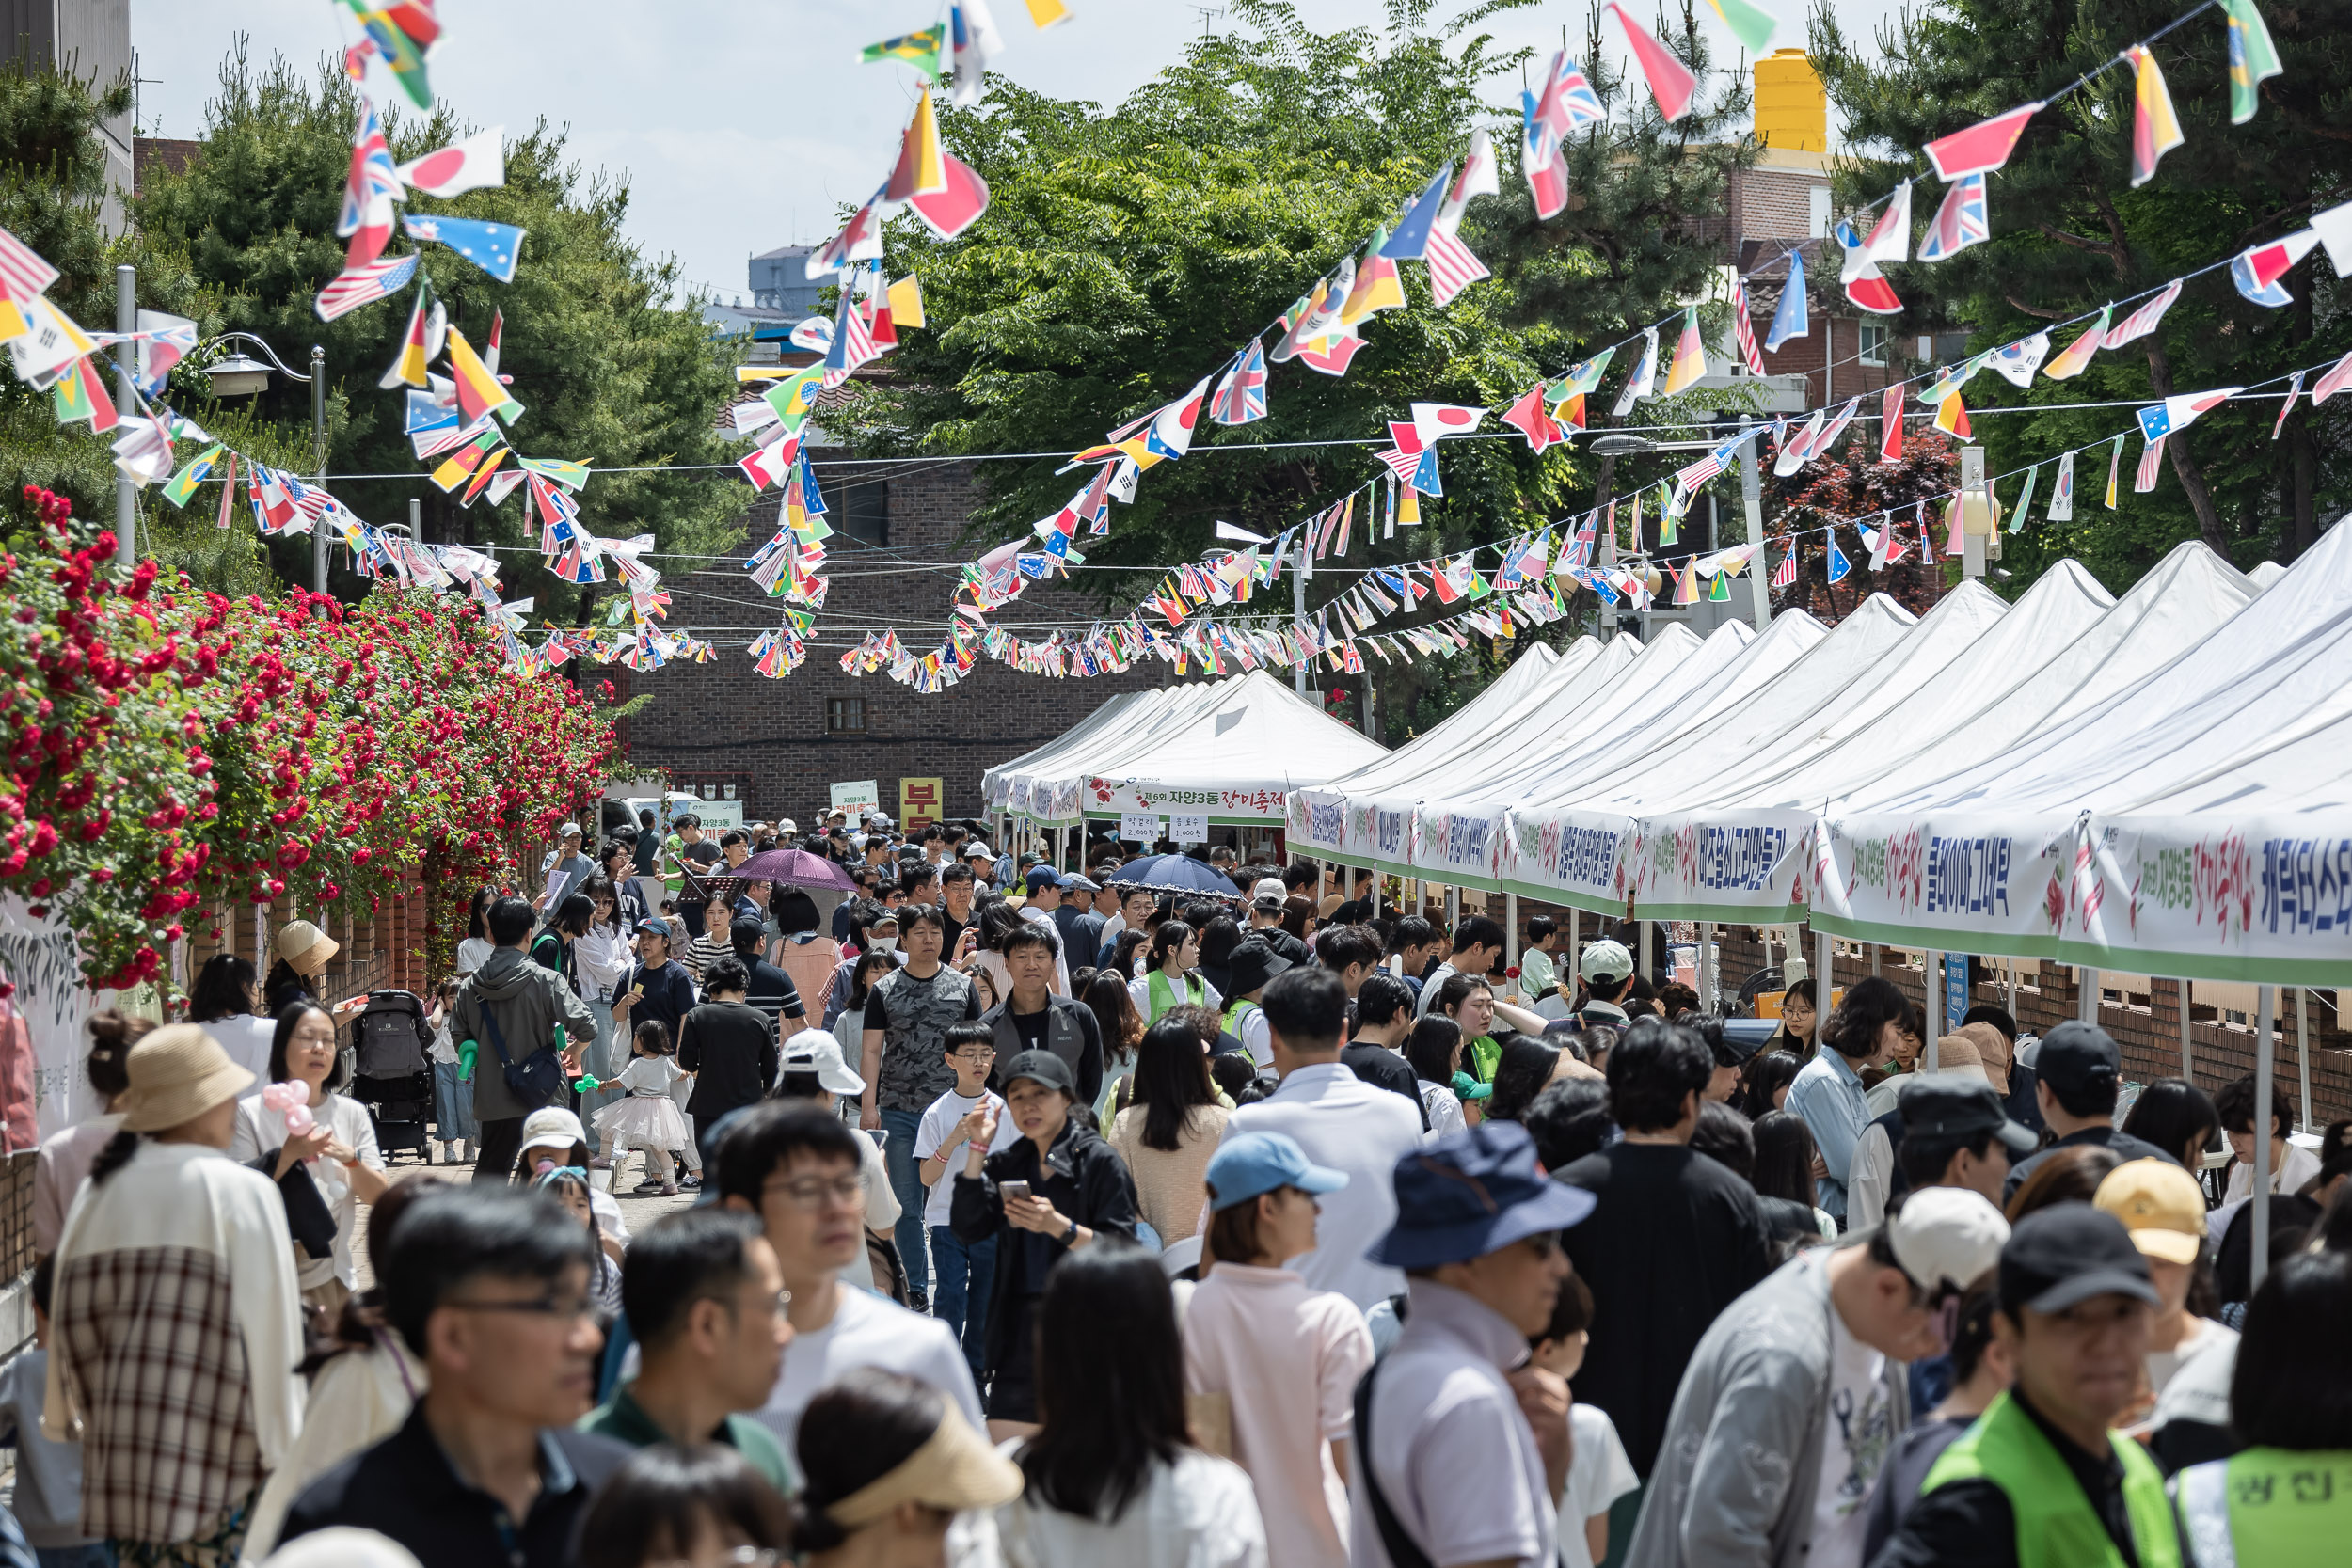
648 1117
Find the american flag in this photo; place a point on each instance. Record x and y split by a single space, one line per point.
1241 396
2339 376
1743 329
309 500
22 269
364 285
1451 267
2142 321
1404 464
1785 575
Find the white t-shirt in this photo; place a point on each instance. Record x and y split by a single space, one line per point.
867 1331
1855 1442
246 1038
1197 1512
2203 1335
473 954
1600 1474
651 1076
1444 1108
1256 1036
1342 1123
2298 1166
261 1129
939 1120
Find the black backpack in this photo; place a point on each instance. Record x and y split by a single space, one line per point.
390 1039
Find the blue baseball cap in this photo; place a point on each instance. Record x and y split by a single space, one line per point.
1251 1165
1043 877
1473 1192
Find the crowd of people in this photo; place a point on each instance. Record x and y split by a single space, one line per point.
1044 1219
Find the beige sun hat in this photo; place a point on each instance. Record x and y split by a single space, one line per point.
177 1073
298 940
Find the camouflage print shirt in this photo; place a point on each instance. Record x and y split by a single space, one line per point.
913 1016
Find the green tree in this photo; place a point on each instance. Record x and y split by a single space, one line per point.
1127 253
613 365
2071 233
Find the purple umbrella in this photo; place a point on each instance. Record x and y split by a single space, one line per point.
794 868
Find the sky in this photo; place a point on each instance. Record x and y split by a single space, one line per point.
741 126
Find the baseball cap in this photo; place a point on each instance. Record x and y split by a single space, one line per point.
657 925
880 819
2067 1253
2160 1204
1270 887
569 829
1935 1106
1250 1164
1040 877
746 928
551 1126
816 1051
2078 1058
1267 903
976 850
1042 1067
1946 1238
1473 1192
1077 883
1605 960
786 825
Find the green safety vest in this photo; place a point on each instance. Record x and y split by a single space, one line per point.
1162 996
2268 1508
2057 1527
1235 1010
1485 1053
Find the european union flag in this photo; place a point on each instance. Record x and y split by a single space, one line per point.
492 246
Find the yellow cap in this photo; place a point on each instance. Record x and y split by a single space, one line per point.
2160 1204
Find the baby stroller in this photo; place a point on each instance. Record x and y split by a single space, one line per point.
393 1076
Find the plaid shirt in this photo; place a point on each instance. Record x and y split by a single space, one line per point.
175 1293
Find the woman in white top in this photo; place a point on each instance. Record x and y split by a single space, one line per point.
227 1001
1112 1479
1434 1049
65 1156
474 950
1172 977
340 1149
601 960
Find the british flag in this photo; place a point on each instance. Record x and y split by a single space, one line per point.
370 189
1960 222
1241 396
1785 575
1451 267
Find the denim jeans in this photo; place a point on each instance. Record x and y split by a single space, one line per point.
966 1270
95 1554
906 1180
452 1104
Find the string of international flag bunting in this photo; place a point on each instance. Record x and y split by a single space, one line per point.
461 422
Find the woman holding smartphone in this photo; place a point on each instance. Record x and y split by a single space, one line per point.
1052 1193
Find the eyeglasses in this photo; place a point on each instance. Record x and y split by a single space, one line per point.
977 1053
813 1192
537 1307
1544 1244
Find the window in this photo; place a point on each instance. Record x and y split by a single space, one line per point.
845 716
1817 212
861 508
1873 344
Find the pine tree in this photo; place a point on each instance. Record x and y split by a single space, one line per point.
2071 233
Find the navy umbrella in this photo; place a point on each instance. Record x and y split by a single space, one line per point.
1175 874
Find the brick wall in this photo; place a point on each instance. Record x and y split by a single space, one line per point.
723 722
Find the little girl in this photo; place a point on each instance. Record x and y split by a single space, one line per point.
570 1188
647 1119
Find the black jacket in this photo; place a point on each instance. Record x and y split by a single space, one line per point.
1083 1178
1071 1033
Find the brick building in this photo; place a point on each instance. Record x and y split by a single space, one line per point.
778 744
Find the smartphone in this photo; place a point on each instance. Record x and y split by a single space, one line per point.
1013 1189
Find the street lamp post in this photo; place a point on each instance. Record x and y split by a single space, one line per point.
241 375
126 493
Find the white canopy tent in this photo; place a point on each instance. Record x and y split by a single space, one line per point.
1001 784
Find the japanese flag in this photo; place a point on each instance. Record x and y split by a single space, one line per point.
477 162
1433 420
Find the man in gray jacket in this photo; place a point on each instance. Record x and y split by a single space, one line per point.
529 1002
1796 1394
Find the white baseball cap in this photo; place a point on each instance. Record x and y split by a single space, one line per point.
552 1126
1270 887
1947 1237
816 1050
1605 960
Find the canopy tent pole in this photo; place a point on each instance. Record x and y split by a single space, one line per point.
1931 1016
1376 895
1452 912
2088 1010
1821 987
2264 1078
1711 983
1643 943
2303 1046
2012 989
1877 954
1510 930
2188 1067
1576 958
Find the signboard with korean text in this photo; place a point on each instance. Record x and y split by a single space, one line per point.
919 803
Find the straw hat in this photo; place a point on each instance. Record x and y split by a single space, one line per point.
305 946
177 1073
